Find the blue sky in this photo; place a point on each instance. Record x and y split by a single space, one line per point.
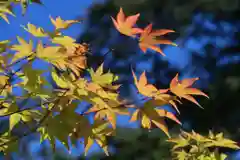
39 16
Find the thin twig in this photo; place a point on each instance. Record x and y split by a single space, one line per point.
18 61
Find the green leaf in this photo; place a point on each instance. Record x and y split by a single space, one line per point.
53 126
6 146
13 120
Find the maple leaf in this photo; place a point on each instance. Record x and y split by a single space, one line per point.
150 114
61 82
97 89
77 59
150 90
23 49
218 140
61 24
125 24
90 133
3 13
148 39
142 85
52 126
37 32
182 90
65 41
69 57
101 78
49 53
101 112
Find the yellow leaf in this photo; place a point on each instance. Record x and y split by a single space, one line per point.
88 142
29 115
3 46
103 79
65 41
13 120
23 49
59 81
99 126
223 156
142 85
3 80
61 24
162 125
180 142
37 32
3 111
135 115
50 53
101 140
101 113
4 11
164 113
146 122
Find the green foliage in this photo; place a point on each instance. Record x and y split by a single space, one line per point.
55 116
195 146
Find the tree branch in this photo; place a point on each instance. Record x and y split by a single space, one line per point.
18 61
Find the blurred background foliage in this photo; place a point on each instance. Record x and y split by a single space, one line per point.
207 32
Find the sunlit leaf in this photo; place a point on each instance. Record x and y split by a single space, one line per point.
37 32
61 24
101 78
125 25
59 80
182 89
3 13
65 41
14 119
22 49
149 39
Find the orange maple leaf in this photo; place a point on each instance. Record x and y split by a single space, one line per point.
125 24
182 90
150 90
142 85
149 39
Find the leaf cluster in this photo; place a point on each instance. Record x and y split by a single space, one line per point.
192 145
54 116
